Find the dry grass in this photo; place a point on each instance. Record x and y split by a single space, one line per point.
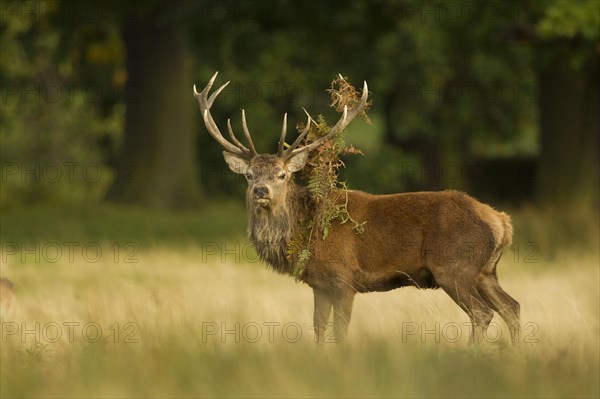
173 299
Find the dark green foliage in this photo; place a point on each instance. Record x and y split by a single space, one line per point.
451 82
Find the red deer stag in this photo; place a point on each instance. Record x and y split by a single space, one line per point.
425 239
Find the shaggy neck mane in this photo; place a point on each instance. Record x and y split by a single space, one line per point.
271 228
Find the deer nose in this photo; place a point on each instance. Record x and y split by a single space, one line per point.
261 191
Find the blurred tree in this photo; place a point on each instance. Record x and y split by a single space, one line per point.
58 101
452 83
449 80
158 146
568 64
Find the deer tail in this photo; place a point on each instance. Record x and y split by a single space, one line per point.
508 230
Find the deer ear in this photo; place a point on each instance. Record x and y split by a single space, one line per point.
235 163
297 162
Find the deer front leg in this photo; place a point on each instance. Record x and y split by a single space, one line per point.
323 304
342 307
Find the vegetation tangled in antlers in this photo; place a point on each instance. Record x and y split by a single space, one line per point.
322 174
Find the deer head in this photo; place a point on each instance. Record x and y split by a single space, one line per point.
268 175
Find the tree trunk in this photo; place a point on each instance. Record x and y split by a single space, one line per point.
157 165
570 130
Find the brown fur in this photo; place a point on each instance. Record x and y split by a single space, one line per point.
442 240
271 227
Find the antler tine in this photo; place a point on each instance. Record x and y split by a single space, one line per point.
233 138
208 85
205 102
347 117
299 139
247 133
282 137
213 96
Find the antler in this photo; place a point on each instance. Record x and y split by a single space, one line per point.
205 103
283 152
347 117
236 147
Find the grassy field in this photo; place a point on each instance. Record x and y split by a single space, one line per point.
173 306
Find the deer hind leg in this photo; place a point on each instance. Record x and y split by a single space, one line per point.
464 292
506 306
342 311
323 305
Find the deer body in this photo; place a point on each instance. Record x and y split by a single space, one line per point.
409 239
442 239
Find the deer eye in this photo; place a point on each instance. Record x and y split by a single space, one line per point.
249 176
281 175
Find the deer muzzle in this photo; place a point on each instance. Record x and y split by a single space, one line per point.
261 193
